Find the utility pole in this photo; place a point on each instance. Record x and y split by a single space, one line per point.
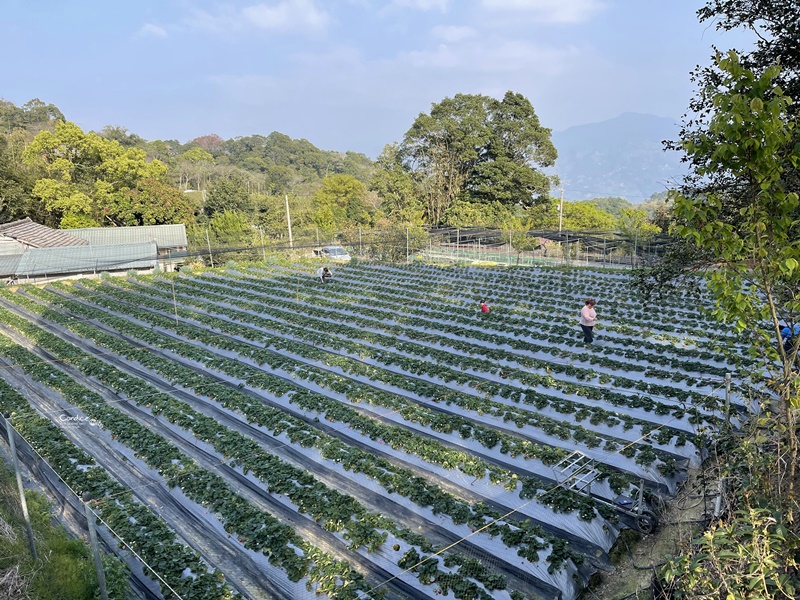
174 300
263 248
289 221
211 256
561 210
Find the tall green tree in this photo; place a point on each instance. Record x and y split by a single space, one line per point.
33 116
633 223
123 136
611 204
518 143
480 214
85 173
756 279
584 216
228 194
231 229
17 181
151 202
194 165
400 202
776 30
478 148
341 202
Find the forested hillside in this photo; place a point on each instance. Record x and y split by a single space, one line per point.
473 160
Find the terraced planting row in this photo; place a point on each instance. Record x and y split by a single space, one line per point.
374 437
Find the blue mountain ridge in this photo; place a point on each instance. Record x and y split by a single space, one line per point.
622 157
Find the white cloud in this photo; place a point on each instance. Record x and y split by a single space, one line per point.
423 5
287 15
225 22
494 56
151 30
550 11
453 33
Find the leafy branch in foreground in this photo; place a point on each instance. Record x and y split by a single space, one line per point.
749 224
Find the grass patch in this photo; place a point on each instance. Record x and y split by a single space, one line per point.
64 569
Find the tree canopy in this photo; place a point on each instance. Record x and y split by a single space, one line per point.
228 194
755 282
479 149
584 216
474 160
89 179
341 201
612 205
395 185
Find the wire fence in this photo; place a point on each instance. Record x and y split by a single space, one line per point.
397 244
455 245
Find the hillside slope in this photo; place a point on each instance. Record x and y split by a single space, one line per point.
621 157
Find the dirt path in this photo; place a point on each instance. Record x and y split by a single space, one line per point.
636 557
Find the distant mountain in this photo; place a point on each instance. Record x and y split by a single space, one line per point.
621 157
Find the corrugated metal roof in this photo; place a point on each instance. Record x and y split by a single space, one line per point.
166 236
39 236
87 259
8 264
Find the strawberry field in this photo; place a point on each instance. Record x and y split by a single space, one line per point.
252 431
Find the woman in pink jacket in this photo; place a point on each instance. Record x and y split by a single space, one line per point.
588 319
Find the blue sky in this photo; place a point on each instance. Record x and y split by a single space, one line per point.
345 74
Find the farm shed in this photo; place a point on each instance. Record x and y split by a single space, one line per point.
29 249
170 239
46 262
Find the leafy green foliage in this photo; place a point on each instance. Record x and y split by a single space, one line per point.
585 216
33 116
753 552
231 229
228 194
756 278
341 202
66 569
739 215
400 199
633 223
151 202
89 180
480 149
612 205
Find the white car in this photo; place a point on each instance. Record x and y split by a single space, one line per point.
336 253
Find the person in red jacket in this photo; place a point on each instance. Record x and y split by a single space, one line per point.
484 306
